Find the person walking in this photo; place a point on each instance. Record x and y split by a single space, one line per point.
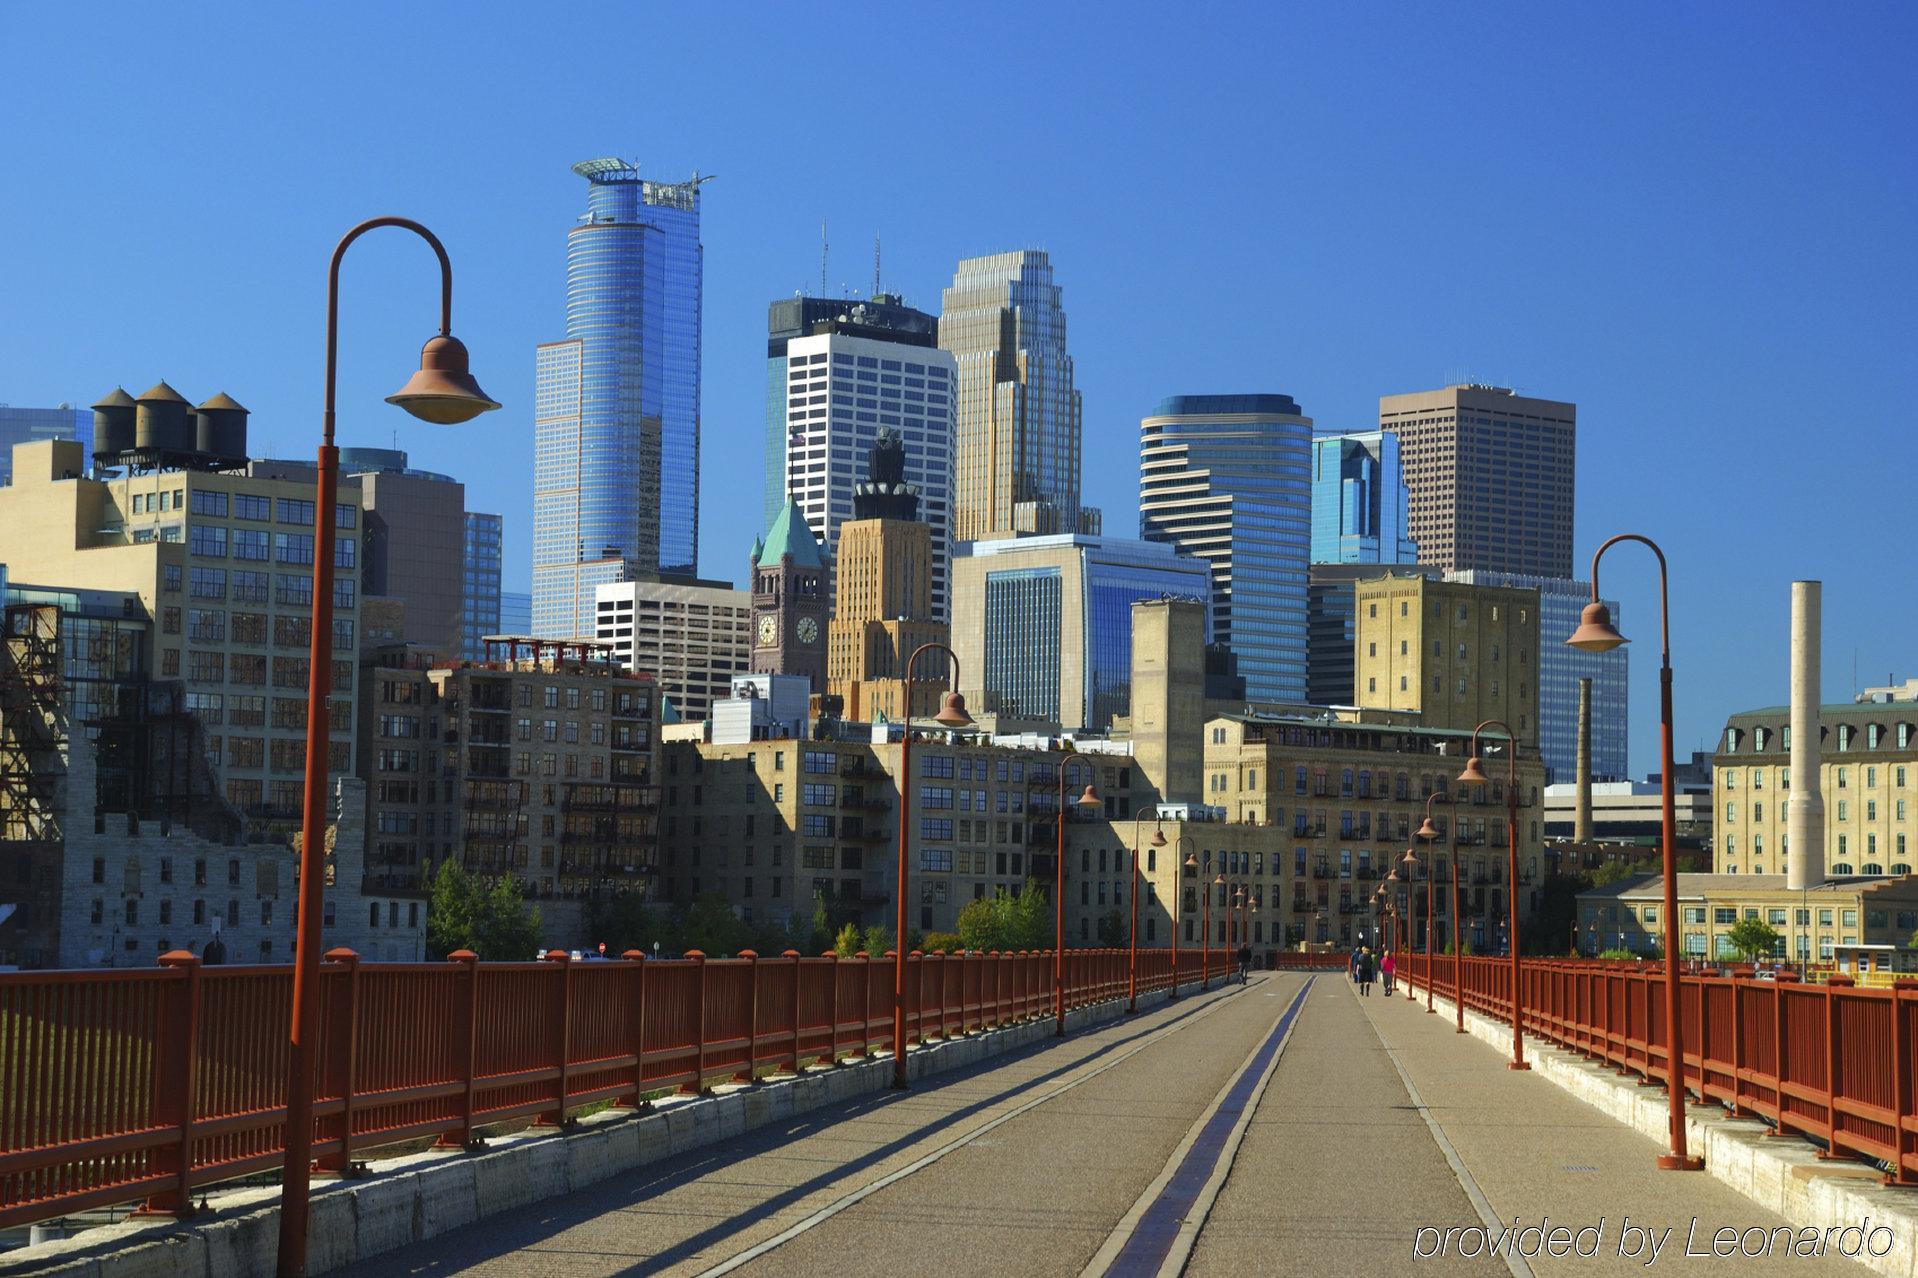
1245 963
1352 963
1388 970
1365 971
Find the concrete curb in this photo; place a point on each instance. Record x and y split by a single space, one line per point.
407 1200
1784 1175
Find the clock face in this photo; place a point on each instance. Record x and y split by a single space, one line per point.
808 630
768 631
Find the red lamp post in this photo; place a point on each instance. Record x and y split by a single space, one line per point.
442 391
1475 775
1088 799
952 714
1411 863
1596 633
1190 862
1132 935
1429 833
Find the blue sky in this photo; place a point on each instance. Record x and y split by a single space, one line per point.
1696 221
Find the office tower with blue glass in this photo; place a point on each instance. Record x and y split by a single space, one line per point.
616 403
515 612
1360 500
24 425
868 368
883 318
479 615
1018 422
1227 479
1042 626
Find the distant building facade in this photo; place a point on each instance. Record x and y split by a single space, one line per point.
1360 502
479 610
693 637
1227 479
789 604
515 612
1019 415
616 403
1457 655
1491 477
24 425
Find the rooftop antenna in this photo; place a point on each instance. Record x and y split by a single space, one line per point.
875 264
822 257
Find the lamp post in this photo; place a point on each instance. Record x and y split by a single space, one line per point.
1429 833
1132 934
1088 799
442 391
1190 862
1205 926
1475 775
1411 864
952 714
1595 633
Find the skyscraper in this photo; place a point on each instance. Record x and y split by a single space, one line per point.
1491 478
1016 459
1227 478
1359 500
616 404
479 616
860 370
22 425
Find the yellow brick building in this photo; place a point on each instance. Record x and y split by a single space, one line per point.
1455 654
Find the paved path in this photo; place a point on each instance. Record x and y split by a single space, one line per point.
1270 1129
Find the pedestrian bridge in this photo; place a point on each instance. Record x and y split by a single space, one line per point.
1285 1125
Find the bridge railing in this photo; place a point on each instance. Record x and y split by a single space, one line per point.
141 1086
1831 1061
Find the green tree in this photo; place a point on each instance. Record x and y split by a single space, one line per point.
947 942
1753 938
1112 928
1032 919
492 921
849 941
710 926
983 923
626 922
876 940
508 928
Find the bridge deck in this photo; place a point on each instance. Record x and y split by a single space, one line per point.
1050 1160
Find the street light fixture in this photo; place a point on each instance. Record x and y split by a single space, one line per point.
442 391
1596 633
1132 934
1474 775
1088 799
952 714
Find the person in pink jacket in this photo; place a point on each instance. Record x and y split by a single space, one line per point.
1388 970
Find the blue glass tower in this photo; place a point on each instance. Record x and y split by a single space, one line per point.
616 404
1360 501
1227 478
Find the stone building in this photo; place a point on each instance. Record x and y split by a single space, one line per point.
1814 924
789 600
1456 654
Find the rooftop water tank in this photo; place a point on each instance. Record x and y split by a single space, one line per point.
222 431
113 425
160 425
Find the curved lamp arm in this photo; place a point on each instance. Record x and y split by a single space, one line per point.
333 295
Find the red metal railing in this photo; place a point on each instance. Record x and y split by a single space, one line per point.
1832 1062
125 1086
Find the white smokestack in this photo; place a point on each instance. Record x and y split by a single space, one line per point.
1582 820
1805 811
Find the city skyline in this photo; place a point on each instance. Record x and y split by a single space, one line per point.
1652 322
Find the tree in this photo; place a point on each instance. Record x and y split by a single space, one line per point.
849 941
1753 938
944 942
1005 922
1112 929
626 922
492 921
710 926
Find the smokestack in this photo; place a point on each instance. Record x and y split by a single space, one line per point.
1805 813
1582 823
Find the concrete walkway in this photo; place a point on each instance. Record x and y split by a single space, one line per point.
1040 1161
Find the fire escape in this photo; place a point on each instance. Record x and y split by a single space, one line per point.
32 763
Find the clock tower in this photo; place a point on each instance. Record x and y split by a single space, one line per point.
789 600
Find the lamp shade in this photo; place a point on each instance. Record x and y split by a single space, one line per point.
1191 861
443 391
1473 774
1427 830
1595 631
1410 861
952 711
1090 798
1158 838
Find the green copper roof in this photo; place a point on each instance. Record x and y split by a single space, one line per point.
759 544
790 535
668 712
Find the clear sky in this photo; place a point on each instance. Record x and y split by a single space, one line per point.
1696 221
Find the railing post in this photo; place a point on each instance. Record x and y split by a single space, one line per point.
832 1045
467 1035
177 1039
556 1116
638 959
342 1064
1833 1060
1738 1044
865 1004
698 1085
1904 1106
792 956
748 1075
1778 1048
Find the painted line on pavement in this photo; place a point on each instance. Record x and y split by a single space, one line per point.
1157 1235
866 1191
1480 1203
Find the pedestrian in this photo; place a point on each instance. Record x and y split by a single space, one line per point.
1388 970
1365 971
1245 963
1352 963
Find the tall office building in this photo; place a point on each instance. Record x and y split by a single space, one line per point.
479 614
515 612
1491 478
1359 500
851 376
694 637
1016 460
884 318
1042 626
616 404
1331 627
1226 478
1456 655
1560 667
24 425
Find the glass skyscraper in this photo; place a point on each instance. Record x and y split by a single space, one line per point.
479 616
24 425
616 404
1016 467
1226 478
1360 500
